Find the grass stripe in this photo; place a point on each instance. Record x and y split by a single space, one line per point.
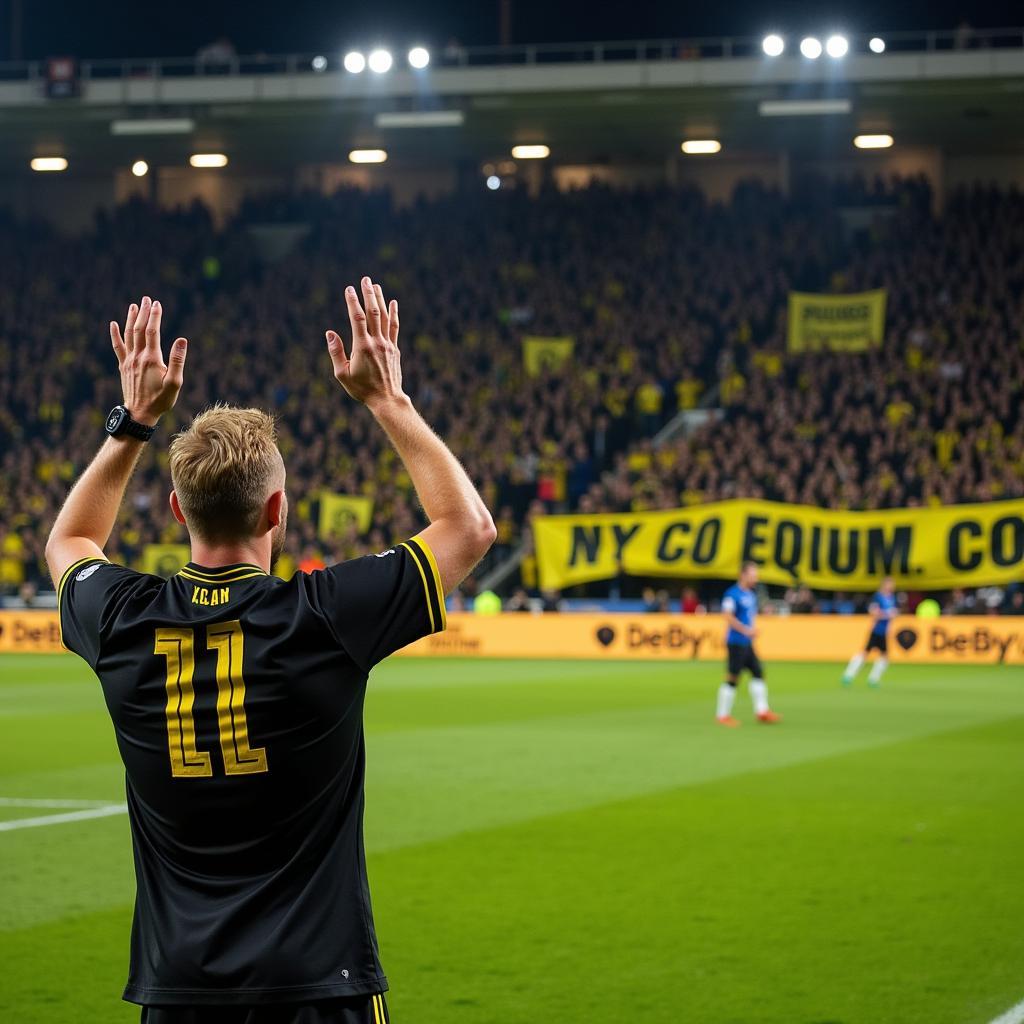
63 819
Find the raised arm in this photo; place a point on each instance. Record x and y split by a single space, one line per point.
461 529
150 388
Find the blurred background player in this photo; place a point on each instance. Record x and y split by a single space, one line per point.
882 610
739 606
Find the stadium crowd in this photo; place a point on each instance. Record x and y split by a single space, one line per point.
672 302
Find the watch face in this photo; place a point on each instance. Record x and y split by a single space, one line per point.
115 419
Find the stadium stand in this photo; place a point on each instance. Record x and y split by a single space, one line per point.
672 302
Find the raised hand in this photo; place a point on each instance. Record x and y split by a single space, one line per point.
373 371
149 385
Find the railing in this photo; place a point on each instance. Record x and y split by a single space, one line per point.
457 56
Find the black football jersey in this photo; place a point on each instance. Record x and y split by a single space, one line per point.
237 702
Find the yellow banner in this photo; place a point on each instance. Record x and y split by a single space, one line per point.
950 640
546 355
923 548
339 511
164 559
836 323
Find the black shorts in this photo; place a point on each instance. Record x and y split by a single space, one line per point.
350 1010
877 642
742 656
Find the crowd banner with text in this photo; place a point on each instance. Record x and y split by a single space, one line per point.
921 548
546 355
164 559
836 323
949 640
339 511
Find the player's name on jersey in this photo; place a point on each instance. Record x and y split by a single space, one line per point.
211 596
922 548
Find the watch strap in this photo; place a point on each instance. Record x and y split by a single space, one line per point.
138 430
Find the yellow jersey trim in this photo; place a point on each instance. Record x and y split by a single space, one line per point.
218 573
426 586
202 578
438 589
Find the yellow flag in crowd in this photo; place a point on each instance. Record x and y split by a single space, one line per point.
339 511
164 559
546 355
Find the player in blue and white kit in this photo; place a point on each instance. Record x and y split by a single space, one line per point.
739 606
882 610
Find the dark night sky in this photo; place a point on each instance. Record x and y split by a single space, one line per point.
114 28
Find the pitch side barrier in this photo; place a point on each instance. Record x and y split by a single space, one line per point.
950 640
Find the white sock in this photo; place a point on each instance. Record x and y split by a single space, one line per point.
880 666
854 667
726 695
759 696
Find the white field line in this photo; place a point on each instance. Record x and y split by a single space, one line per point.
60 819
25 801
1014 1015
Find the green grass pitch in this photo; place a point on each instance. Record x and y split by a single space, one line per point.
578 841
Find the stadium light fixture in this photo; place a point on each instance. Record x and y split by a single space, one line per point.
153 126
380 61
876 44
140 168
534 152
804 108
872 141
693 147
354 62
368 156
837 46
419 57
810 47
49 163
208 160
319 63
493 182
419 118
773 45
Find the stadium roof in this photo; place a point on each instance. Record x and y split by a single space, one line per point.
588 103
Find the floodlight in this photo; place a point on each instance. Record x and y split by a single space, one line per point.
49 163
319 63
208 160
380 61
773 45
697 146
493 182
837 46
876 45
810 47
368 156
873 141
419 57
538 152
140 168
354 62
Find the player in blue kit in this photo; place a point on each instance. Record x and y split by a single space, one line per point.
739 606
882 610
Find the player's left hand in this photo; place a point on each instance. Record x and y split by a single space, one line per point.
150 386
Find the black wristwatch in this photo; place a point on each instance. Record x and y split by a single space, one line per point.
120 423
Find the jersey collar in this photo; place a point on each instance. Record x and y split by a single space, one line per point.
222 574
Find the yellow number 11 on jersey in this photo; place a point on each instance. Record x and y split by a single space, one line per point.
178 647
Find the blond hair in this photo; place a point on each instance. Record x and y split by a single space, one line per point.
222 468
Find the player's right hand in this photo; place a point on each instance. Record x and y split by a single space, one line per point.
372 373
149 385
